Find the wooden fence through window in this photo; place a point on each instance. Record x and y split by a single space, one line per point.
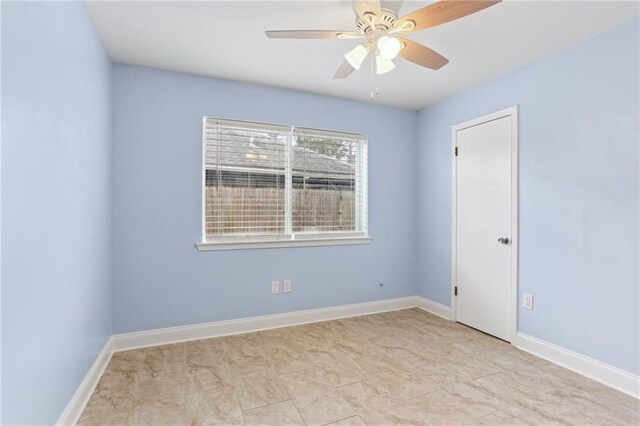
237 210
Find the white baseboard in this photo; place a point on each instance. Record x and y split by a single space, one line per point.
596 370
122 342
75 407
435 308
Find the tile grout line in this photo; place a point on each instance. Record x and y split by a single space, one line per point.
292 401
285 388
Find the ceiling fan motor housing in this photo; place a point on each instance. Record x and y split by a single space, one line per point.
383 23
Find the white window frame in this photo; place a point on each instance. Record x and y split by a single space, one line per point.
289 238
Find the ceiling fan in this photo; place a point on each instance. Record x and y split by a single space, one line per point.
383 33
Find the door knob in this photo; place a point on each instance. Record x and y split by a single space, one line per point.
503 240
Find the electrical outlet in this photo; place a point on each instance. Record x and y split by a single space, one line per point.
286 286
275 287
527 301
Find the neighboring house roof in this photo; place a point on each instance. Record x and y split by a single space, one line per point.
264 153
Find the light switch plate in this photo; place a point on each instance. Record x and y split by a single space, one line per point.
527 301
286 286
275 287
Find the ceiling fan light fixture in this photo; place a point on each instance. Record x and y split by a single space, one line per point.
389 47
383 65
383 32
357 55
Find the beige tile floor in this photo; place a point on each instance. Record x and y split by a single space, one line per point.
405 367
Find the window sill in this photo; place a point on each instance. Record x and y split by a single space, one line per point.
242 245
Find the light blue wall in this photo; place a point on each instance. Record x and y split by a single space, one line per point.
56 191
161 280
61 295
0 214
579 202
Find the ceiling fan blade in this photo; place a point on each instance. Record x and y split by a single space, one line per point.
363 6
422 55
344 71
311 34
442 12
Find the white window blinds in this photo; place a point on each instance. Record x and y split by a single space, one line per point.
245 166
329 182
264 182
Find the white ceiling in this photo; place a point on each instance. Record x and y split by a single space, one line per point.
225 39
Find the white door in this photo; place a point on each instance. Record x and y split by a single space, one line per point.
483 226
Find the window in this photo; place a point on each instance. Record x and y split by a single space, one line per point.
267 185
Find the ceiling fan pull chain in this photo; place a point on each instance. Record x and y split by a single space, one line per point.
374 79
373 85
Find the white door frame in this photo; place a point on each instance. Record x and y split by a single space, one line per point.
508 112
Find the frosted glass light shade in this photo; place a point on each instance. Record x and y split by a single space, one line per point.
357 55
389 47
383 66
